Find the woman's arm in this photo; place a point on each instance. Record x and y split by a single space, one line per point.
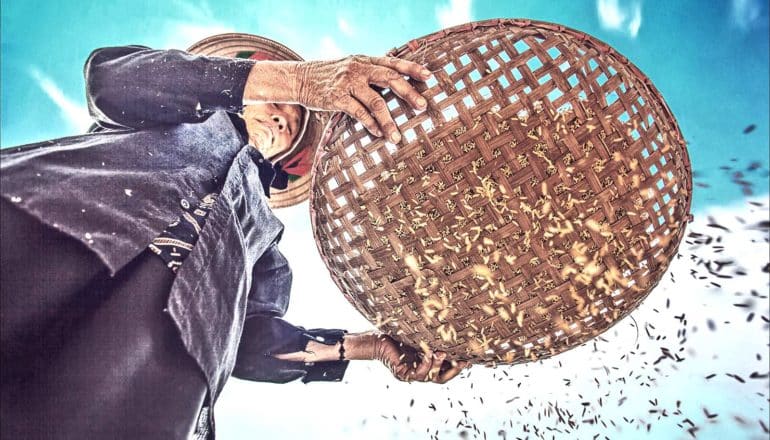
343 85
266 336
138 87
272 350
358 346
406 363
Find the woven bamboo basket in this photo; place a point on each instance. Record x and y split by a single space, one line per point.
535 203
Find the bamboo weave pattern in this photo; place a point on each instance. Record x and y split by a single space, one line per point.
537 201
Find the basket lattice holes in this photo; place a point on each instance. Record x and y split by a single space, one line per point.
535 203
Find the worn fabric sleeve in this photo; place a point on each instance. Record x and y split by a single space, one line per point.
265 333
138 87
264 336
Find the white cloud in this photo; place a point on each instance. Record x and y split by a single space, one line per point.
456 12
199 11
194 21
610 15
74 113
625 18
636 21
329 49
181 35
745 13
345 27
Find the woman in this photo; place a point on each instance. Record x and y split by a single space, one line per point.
140 266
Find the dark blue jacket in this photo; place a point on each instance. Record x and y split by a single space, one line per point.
165 134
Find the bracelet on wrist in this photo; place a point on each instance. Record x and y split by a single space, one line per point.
342 347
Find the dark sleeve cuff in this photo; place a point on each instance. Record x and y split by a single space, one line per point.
264 336
329 371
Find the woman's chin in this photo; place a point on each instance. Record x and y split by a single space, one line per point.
268 153
263 143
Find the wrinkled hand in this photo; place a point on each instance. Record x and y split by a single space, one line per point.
346 85
408 364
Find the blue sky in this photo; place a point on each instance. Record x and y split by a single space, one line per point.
709 59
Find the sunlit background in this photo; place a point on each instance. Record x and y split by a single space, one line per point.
691 362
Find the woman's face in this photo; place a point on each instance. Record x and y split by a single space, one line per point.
272 127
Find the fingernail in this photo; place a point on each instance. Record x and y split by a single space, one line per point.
425 72
422 102
395 137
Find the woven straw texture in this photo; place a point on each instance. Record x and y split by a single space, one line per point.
537 201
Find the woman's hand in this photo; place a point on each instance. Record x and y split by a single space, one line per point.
408 364
341 85
346 85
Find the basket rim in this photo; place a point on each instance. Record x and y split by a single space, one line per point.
642 82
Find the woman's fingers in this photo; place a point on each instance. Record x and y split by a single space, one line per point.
404 373
415 70
390 75
411 371
379 109
436 367
403 89
425 365
450 373
346 85
354 108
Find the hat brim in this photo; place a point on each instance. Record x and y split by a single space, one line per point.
231 45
